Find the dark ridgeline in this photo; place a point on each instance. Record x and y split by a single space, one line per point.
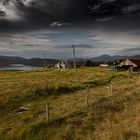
41 62
38 62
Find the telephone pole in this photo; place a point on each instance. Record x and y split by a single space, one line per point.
44 60
74 56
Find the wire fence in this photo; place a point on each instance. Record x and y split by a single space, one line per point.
91 95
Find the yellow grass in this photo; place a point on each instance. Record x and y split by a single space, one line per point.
108 115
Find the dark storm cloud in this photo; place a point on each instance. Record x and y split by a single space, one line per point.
79 46
130 51
33 14
38 13
135 33
95 26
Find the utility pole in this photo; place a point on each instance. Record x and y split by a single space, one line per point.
44 60
74 56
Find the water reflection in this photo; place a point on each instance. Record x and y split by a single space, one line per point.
18 67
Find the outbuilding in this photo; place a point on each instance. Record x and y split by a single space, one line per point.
129 64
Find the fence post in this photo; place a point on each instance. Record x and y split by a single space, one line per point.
111 88
128 78
87 98
47 112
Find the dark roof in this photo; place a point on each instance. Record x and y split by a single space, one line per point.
135 61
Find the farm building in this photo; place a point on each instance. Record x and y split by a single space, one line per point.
69 64
103 65
60 65
129 63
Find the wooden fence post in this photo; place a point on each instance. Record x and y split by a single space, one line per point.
87 98
128 78
111 88
47 112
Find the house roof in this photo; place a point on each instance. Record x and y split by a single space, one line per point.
135 61
132 60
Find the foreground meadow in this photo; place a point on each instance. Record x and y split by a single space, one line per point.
84 104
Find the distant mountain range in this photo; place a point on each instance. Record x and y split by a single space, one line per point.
108 58
38 62
7 60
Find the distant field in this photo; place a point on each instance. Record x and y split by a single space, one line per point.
84 104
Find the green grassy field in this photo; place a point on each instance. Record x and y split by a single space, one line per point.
107 115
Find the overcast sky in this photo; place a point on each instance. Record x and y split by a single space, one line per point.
96 27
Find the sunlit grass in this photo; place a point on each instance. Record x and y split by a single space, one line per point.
70 117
